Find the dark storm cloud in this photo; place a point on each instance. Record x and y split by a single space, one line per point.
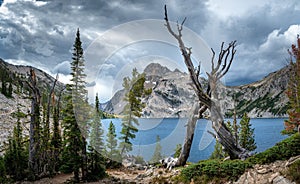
45 33
256 25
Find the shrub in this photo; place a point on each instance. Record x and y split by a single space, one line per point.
215 169
281 151
2 171
293 172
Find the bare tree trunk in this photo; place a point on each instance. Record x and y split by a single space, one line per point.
47 123
210 97
190 131
189 136
34 131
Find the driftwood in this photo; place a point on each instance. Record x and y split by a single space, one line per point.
207 99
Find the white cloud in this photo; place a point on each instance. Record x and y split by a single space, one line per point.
62 68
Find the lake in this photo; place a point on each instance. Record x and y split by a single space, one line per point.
172 132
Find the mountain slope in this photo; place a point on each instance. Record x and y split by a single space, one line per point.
16 75
173 95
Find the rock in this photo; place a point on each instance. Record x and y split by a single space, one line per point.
281 180
263 171
264 174
172 95
273 176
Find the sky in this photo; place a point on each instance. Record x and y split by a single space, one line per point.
120 35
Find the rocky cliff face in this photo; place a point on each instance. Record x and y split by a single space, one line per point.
19 99
173 95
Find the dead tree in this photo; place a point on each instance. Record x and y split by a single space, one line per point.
208 99
34 131
47 122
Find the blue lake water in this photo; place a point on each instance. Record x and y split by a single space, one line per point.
172 132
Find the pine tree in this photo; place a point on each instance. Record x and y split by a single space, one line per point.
292 125
134 88
15 158
246 134
157 152
71 155
3 89
177 150
10 90
96 148
79 98
111 142
96 136
218 152
3 178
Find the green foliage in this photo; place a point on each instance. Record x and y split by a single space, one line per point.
96 169
15 157
96 135
72 142
157 152
95 164
112 153
177 150
293 172
212 169
264 103
217 170
281 151
139 160
135 90
218 152
3 178
246 134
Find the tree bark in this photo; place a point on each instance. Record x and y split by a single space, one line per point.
34 131
210 97
189 136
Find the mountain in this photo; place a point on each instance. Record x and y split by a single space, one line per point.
173 95
15 74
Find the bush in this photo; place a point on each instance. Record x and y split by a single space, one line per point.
281 151
215 169
2 171
293 172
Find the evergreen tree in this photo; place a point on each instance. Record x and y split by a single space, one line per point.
15 158
177 150
71 155
3 89
218 152
134 88
112 143
246 134
56 141
10 90
157 152
292 125
96 137
95 157
79 99
3 178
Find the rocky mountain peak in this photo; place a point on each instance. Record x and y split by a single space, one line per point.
172 95
156 69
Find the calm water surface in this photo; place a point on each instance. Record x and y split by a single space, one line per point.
172 132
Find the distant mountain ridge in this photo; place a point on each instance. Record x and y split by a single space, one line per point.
173 95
